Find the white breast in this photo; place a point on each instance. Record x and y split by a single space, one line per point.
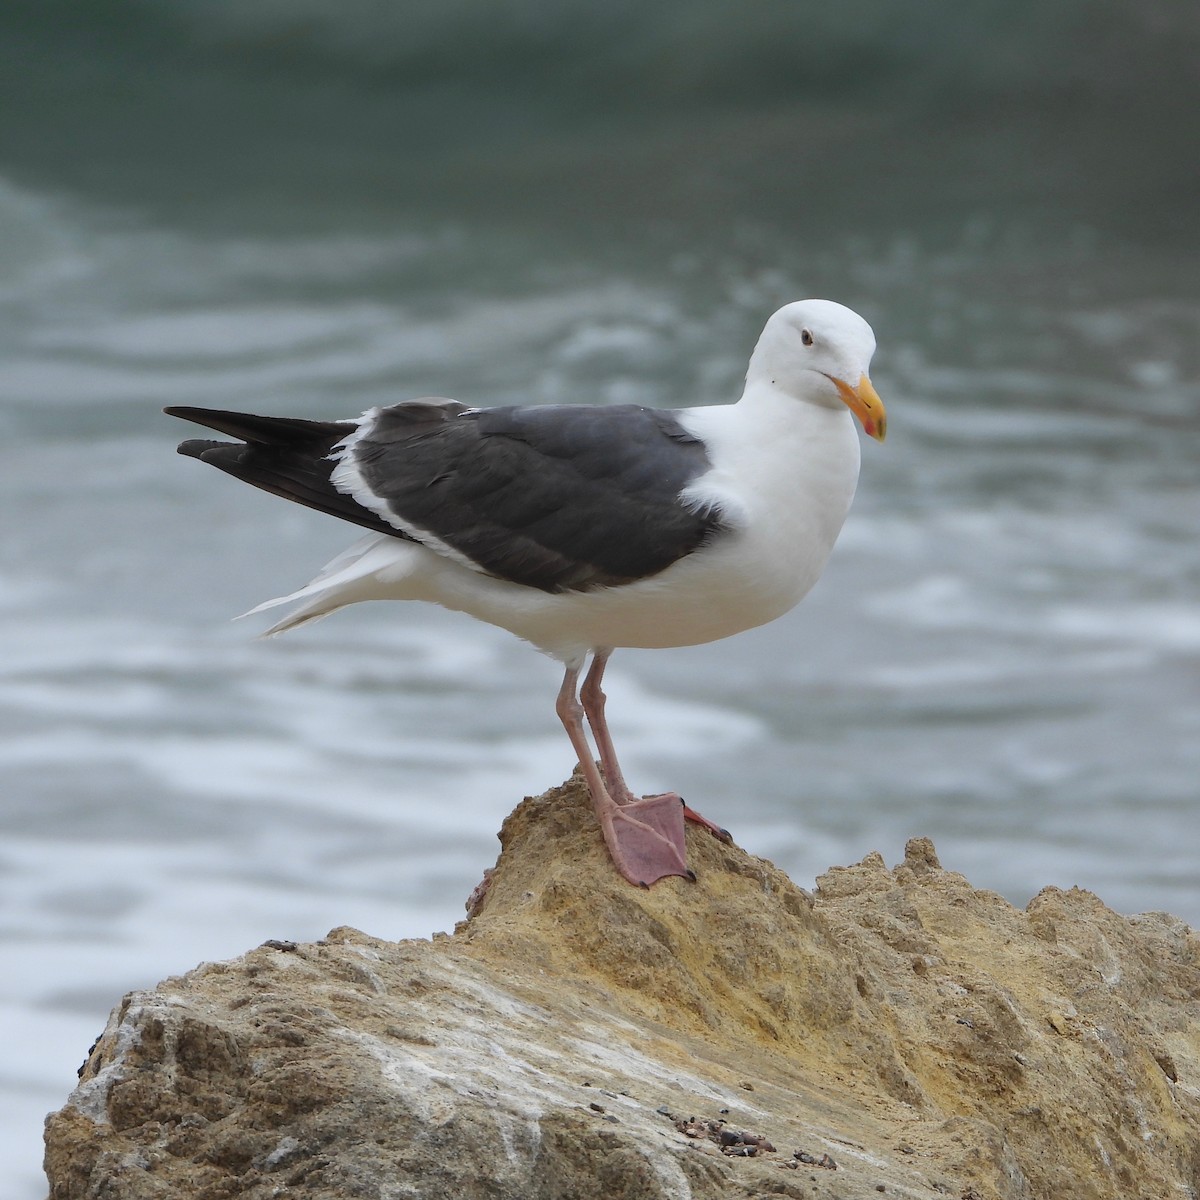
784 473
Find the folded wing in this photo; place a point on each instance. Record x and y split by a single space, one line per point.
560 498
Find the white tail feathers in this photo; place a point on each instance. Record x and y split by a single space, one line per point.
352 576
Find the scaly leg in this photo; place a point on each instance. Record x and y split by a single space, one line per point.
593 699
644 837
593 707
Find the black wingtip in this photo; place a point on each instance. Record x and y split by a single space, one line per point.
291 432
198 447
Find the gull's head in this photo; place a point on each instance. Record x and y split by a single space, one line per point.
820 351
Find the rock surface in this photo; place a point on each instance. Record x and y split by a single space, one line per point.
899 1033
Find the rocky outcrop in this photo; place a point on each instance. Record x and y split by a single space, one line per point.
897 1033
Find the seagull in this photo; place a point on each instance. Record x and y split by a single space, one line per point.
587 528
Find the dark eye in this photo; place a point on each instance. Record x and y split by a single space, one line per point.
806 337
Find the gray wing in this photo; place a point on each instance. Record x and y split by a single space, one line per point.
560 498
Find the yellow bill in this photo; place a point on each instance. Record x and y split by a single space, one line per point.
864 402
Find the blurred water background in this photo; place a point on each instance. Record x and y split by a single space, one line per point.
312 207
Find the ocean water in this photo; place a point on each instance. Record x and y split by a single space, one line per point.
316 211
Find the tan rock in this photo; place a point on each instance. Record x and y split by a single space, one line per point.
901 1033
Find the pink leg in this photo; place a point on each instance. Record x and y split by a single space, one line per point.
593 706
644 837
593 699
